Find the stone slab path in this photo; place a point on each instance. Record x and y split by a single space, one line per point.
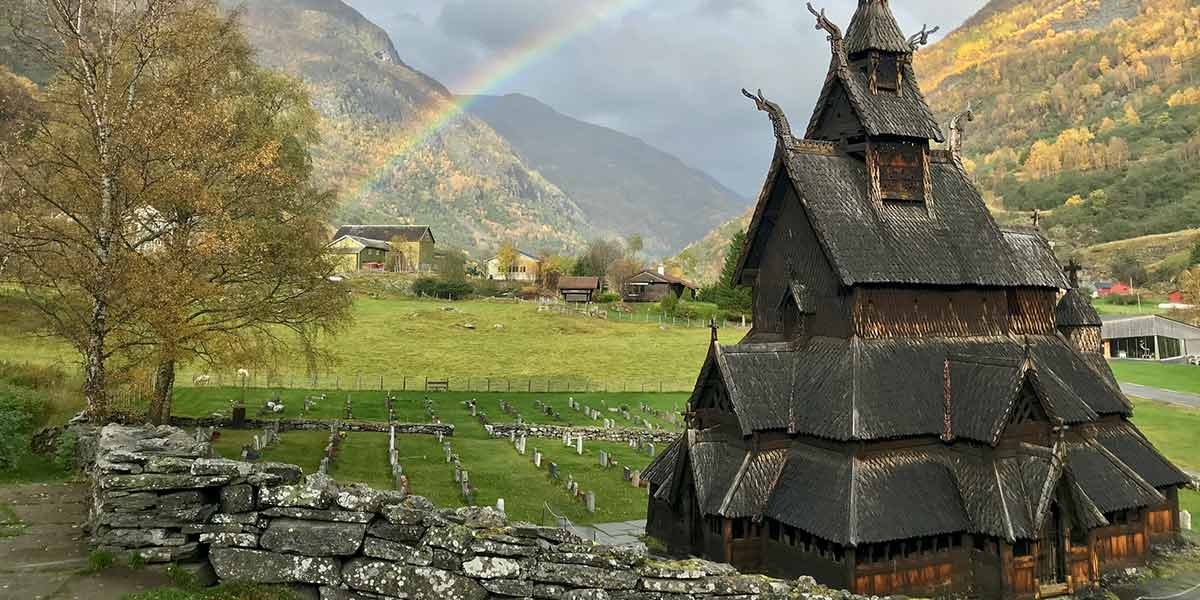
46 558
625 532
1150 393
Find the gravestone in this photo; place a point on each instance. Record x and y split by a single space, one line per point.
566 438
650 449
500 504
579 445
603 459
537 458
627 474
446 448
458 473
554 471
636 479
591 502
1185 520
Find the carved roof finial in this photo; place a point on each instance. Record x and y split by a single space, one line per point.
712 324
958 131
783 130
836 40
1037 218
1072 269
922 37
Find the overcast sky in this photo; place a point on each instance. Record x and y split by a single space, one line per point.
667 71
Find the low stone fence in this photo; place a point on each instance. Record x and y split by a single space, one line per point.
157 494
314 425
595 434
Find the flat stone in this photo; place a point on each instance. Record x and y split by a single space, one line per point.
240 564
360 498
223 540
678 586
749 585
581 576
404 581
455 538
495 548
318 491
162 481
162 517
168 554
397 533
169 464
140 538
592 594
250 518
509 587
397 552
482 517
313 538
399 515
311 514
237 498
490 567
273 473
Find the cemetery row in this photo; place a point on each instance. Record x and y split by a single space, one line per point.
550 478
624 411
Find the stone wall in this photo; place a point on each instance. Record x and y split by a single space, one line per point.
314 425
157 493
595 434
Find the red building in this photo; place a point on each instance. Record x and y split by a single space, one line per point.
1175 297
1107 288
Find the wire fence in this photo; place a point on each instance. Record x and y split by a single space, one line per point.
645 316
432 383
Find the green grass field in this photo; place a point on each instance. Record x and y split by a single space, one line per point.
1180 378
398 338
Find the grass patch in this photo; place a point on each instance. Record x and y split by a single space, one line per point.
1173 430
10 524
302 448
418 338
1189 500
363 458
1179 378
36 468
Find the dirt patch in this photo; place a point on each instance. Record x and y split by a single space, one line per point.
44 551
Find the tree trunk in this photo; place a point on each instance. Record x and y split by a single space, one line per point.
95 378
164 387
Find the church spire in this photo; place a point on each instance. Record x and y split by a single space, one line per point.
874 28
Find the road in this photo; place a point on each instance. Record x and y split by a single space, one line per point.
1149 393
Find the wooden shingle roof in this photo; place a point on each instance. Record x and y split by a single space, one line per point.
873 27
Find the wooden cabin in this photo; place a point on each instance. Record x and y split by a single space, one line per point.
409 248
578 289
652 286
907 415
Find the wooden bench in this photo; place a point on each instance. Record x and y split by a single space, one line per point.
437 385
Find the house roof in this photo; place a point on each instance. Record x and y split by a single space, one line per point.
877 389
650 276
874 28
519 253
365 242
923 491
385 233
579 283
1148 325
1075 310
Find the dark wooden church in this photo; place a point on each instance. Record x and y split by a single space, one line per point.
919 409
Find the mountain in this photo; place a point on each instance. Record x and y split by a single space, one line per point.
703 259
622 184
1085 110
463 178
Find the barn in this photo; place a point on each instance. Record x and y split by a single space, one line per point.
907 415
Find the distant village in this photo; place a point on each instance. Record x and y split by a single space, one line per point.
413 249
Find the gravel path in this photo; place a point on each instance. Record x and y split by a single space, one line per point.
1149 393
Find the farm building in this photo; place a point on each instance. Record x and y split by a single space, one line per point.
1150 337
906 415
410 248
652 286
1112 288
355 253
526 267
578 289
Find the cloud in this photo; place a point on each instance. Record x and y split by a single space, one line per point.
668 72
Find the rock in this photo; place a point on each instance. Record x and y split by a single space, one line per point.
581 576
482 517
168 554
487 567
140 538
273 473
592 594
361 498
455 538
220 466
237 499
317 491
495 548
313 538
508 587
161 481
678 586
397 533
238 519
168 464
162 517
222 540
751 585
257 566
397 552
404 581
312 514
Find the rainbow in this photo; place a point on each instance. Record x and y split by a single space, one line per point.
490 77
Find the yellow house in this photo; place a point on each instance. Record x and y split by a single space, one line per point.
410 248
526 267
357 254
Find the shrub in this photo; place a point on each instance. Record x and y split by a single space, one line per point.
668 305
64 454
37 377
99 560
437 288
1121 299
20 410
607 298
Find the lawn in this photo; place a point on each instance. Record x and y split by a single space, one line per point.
1180 378
513 345
1149 306
1174 431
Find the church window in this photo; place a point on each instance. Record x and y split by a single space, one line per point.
901 172
887 73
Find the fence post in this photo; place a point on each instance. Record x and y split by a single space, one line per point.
381 383
530 385
489 384
337 382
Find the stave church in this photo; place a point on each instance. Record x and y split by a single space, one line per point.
921 407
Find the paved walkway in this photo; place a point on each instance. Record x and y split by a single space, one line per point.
613 534
46 557
1149 393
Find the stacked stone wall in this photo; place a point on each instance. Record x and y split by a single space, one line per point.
595 434
315 425
159 494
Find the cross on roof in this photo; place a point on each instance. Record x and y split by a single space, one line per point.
1072 270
